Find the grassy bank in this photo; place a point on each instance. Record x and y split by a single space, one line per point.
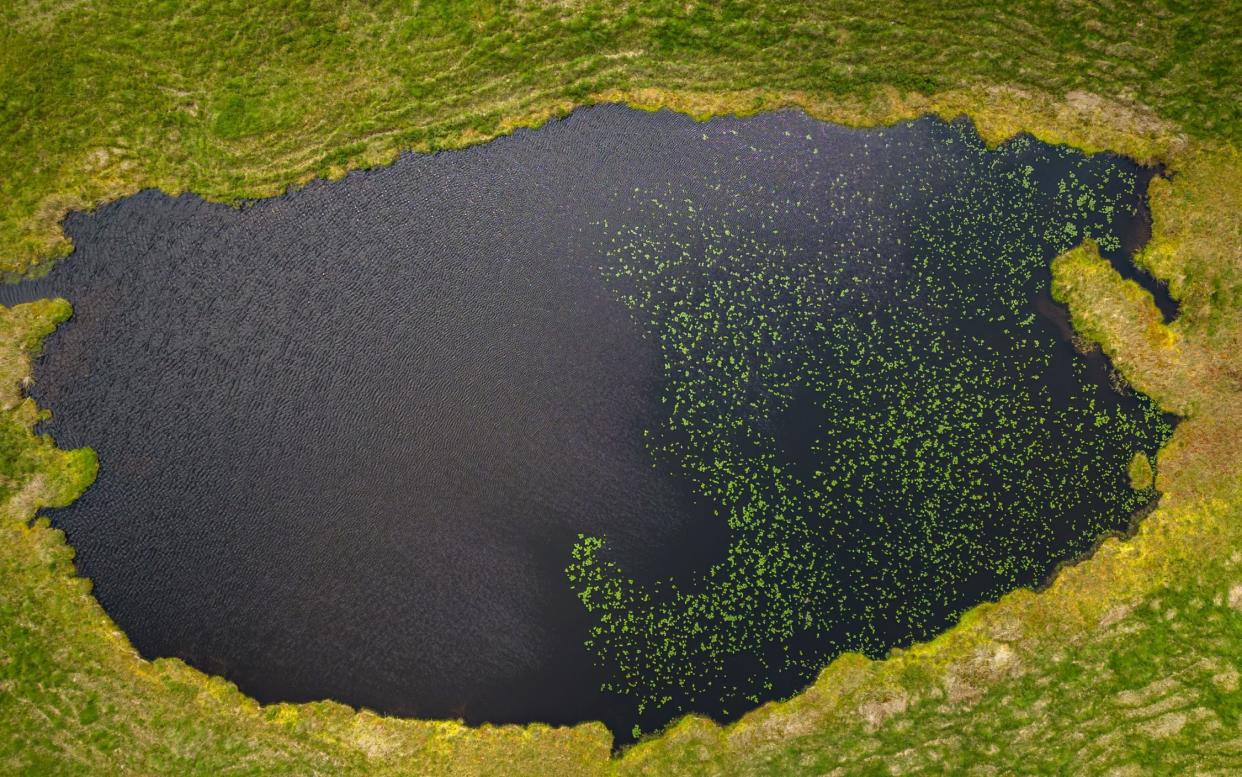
1128 661
240 99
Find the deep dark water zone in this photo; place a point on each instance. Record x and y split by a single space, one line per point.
616 419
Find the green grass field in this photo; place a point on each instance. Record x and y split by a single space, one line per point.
1128 663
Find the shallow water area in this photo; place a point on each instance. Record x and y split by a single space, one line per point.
351 438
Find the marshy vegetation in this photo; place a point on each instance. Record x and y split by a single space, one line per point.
1126 663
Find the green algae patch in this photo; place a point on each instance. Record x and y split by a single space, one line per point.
890 430
1124 662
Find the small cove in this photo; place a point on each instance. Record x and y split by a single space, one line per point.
351 437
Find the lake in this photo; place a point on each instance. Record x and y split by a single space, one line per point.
616 419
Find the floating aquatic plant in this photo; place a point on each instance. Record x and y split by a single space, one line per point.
856 381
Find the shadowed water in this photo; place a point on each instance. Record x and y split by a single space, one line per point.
349 436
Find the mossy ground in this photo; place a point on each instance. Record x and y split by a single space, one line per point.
1126 663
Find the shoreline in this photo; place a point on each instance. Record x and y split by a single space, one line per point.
848 677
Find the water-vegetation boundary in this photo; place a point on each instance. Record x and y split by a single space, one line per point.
1126 661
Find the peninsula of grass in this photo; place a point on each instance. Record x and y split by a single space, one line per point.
1127 663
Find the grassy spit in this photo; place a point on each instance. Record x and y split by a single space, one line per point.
1126 663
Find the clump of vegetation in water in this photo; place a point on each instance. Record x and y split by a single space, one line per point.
859 385
1141 474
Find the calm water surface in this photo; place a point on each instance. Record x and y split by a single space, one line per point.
349 436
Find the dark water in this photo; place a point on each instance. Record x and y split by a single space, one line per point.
1134 233
349 436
